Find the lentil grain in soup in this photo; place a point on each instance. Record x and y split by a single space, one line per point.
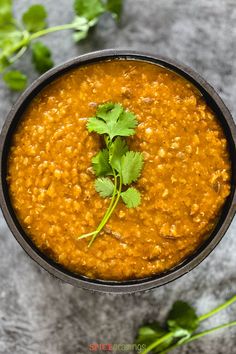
184 182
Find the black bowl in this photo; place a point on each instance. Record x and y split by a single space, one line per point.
229 209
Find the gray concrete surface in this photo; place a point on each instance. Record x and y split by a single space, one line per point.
40 315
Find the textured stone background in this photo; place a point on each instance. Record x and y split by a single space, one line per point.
40 315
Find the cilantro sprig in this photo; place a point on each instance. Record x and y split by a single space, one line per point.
181 325
16 37
115 166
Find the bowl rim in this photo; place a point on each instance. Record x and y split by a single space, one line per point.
106 286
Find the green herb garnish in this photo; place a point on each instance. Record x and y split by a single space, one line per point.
115 166
181 325
15 79
17 37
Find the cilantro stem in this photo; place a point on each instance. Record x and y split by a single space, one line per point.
88 234
46 31
115 203
208 331
18 54
197 336
103 221
218 309
110 210
157 342
24 43
20 46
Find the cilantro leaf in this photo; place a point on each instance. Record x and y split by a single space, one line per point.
104 186
150 333
125 125
109 112
41 57
15 80
34 18
81 23
89 9
82 27
131 197
97 125
182 320
131 165
4 63
9 35
80 35
115 7
113 120
117 149
100 163
5 11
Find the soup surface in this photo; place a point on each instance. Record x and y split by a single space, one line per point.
184 182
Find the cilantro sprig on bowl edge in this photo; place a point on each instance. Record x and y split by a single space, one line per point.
16 37
115 166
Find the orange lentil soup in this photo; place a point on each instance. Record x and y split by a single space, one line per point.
184 182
